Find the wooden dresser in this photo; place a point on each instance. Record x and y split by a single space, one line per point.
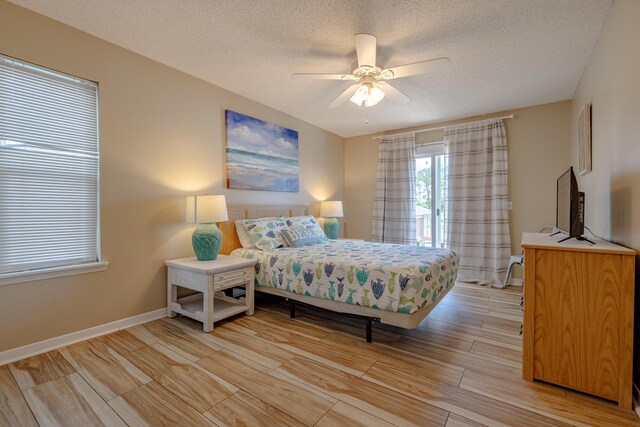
578 315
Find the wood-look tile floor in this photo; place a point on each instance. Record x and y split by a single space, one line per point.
460 367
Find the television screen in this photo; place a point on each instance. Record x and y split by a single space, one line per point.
563 203
569 206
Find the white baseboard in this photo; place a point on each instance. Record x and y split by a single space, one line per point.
29 350
515 282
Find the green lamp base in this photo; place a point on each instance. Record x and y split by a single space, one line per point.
331 228
206 240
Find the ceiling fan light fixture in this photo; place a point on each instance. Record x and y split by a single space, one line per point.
361 95
375 95
368 94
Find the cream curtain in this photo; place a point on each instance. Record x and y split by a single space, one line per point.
394 208
476 215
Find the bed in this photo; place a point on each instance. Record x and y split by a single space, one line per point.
393 284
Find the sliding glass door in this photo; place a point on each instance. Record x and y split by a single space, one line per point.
430 169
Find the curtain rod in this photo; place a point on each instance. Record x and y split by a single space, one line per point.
510 116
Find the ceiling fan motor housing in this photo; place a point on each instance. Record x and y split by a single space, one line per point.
375 72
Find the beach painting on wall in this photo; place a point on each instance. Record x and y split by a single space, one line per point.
261 155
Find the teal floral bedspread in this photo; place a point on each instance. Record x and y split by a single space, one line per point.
398 278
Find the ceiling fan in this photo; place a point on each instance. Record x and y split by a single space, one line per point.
371 86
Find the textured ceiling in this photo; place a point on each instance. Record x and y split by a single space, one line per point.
504 53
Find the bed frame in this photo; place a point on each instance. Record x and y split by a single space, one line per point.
230 242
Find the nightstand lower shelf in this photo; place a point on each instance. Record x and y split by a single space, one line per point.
192 306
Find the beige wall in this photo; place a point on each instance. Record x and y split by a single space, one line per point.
538 146
611 82
161 138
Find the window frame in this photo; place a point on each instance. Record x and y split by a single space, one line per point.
79 267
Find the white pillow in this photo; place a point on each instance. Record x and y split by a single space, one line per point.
243 235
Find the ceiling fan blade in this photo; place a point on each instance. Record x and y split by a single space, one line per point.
366 49
393 94
416 68
344 96
323 76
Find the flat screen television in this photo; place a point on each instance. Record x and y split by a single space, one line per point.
569 206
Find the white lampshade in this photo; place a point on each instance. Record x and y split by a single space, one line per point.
202 209
331 209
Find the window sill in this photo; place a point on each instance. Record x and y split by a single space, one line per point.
50 273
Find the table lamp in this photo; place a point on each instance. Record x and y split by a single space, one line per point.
330 211
205 211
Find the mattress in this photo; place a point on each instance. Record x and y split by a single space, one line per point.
389 277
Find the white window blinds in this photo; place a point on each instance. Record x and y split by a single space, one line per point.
49 165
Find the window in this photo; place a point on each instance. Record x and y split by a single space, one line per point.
430 170
49 166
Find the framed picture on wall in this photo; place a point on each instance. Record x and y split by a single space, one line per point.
584 140
261 155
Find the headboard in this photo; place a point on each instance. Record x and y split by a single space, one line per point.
230 239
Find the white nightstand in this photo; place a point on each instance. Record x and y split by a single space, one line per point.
209 278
